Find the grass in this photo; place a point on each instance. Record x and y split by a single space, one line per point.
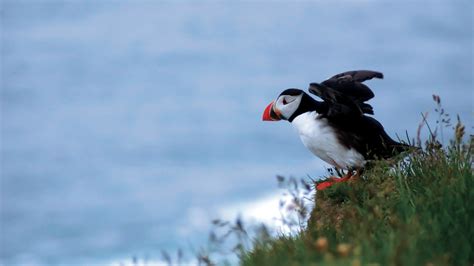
419 211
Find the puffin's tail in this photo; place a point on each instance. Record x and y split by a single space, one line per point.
398 147
393 148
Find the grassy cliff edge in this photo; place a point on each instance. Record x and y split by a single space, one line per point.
418 212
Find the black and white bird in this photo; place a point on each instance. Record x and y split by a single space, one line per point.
338 129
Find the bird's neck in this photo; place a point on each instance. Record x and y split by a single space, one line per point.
308 104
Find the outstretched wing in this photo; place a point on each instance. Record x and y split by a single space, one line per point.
345 93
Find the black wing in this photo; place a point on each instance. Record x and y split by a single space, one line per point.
367 136
345 93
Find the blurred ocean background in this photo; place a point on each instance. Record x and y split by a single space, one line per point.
126 126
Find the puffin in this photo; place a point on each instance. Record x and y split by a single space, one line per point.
339 129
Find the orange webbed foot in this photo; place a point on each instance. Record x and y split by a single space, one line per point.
332 180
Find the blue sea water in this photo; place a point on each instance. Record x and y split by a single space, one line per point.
122 121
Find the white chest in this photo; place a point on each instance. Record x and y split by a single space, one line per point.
322 141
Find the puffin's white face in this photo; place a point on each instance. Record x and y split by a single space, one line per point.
283 108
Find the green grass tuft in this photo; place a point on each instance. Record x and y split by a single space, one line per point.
418 212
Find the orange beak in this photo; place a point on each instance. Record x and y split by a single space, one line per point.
270 114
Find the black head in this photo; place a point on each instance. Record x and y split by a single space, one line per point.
292 92
289 104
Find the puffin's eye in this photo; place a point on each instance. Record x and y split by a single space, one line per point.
284 101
